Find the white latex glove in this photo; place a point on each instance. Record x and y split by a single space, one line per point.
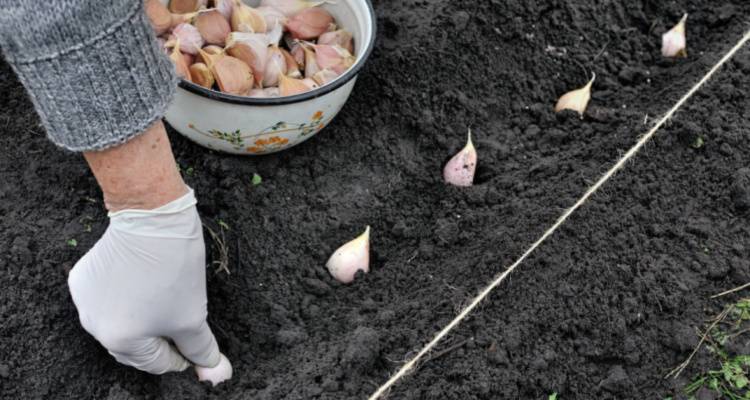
141 292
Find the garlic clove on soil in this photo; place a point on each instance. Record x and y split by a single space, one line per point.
325 76
292 68
225 7
576 100
350 258
213 27
186 6
252 48
275 65
247 19
673 42
459 171
309 23
201 75
290 86
291 7
217 374
339 37
232 75
189 37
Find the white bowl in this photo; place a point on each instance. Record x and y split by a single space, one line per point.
255 126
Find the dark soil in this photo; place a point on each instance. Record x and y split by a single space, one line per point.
603 310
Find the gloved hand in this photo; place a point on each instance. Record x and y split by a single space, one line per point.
141 292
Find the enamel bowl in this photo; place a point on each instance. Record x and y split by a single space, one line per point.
254 126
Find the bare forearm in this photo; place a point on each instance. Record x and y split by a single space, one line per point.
140 174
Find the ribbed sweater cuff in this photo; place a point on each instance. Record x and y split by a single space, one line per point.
102 92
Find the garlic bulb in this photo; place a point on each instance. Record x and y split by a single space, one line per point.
309 24
576 100
350 258
291 7
459 171
213 27
674 43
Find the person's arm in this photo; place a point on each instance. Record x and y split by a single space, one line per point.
100 85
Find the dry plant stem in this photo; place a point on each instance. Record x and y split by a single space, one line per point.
140 174
678 370
222 264
589 192
730 291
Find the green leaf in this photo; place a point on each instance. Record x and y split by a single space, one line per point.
740 381
553 396
257 180
224 225
72 242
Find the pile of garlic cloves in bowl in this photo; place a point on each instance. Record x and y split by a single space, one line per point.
260 76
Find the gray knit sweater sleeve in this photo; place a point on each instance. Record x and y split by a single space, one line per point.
92 68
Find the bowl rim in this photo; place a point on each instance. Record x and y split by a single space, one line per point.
297 98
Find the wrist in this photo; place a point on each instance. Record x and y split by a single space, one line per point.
140 174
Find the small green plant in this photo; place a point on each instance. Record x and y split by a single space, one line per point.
553 396
257 180
698 142
72 242
731 380
224 225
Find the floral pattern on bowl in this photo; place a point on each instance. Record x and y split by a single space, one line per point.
271 139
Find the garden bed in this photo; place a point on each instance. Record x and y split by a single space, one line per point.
604 309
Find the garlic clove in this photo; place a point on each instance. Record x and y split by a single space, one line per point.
216 375
178 60
189 37
275 66
350 258
225 7
339 37
298 52
325 76
292 69
247 19
264 93
576 100
252 48
186 6
290 86
213 27
673 42
232 75
274 35
201 75
459 171
309 23
291 7
310 83
333 57
272 16
208 56
311 63
189 59
159 16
